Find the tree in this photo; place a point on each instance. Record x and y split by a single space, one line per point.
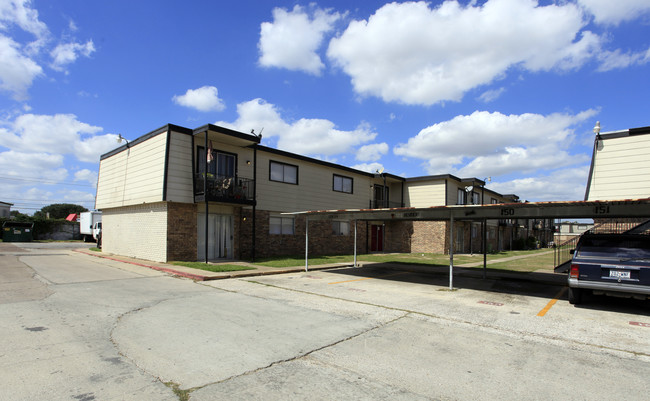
59 210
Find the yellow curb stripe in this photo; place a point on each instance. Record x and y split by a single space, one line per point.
552 302
366 278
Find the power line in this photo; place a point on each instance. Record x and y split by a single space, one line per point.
45 181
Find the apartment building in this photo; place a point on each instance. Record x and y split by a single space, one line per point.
211 192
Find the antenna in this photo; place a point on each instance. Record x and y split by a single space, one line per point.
379 171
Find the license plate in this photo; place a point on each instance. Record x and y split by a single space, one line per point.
619 273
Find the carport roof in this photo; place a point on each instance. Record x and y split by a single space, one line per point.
571 209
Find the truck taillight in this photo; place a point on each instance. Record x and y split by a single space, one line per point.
574 272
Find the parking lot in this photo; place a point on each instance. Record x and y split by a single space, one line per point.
81 327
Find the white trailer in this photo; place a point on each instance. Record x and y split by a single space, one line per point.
90 224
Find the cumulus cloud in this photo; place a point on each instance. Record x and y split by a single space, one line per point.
615 12
493 144
308 136
413 54
59 134
67 53
292 40
86 175
369 167
17 71
372 152
205 98
560 185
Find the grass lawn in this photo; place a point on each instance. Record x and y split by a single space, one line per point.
212 268
535 259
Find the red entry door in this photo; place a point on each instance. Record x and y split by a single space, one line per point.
376 238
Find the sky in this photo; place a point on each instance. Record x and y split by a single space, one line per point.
505 89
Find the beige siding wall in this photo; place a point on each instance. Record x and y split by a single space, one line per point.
133 176
314 190
136 231
179 169
621 169
425 194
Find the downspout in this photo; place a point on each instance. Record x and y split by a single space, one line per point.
205 194
254 199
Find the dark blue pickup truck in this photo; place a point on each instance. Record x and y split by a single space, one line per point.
610 264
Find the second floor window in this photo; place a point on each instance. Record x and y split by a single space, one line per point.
283 173
342 184
461 196
222 164
476 199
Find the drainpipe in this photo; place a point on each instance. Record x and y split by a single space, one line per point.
205 194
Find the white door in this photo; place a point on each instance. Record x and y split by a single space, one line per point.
219 236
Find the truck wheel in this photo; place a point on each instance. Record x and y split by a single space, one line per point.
575 296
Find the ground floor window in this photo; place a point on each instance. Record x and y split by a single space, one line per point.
281 225
341 228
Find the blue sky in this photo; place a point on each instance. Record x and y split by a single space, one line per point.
507 89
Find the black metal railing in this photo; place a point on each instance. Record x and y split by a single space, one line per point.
223 188
381 204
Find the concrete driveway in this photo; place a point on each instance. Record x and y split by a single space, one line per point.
84 328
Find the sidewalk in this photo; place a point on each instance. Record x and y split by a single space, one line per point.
465 270
203 275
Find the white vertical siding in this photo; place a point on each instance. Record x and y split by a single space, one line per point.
425 193
621 169
179 169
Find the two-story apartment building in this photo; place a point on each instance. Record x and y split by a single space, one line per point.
190 194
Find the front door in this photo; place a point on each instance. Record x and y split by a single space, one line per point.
219 236
376 238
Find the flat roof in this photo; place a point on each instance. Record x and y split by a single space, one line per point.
562 209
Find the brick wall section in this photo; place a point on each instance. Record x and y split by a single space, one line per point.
430 237
181 231
321 239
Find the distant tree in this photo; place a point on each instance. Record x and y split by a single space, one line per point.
59 210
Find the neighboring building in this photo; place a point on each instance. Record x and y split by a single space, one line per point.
154 193
567 230
5 209
620 170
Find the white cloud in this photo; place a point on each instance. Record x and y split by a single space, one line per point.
369 167
67 53
307 136
493 144
58 134
560 185
610 60
32 165
615 11
205 98
17 72
413 54
491 95
86 175
293 38
372 152
20 13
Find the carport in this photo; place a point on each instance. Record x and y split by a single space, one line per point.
637 208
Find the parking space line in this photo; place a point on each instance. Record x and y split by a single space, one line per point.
368 278
552 302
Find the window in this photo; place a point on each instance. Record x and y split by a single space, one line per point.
222 164
494 201
476 200
461 196
342 184
281 225
340 228
283 173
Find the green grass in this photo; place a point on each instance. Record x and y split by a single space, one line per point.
531 263
213 268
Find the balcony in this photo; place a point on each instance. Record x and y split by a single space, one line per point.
381 204
224 189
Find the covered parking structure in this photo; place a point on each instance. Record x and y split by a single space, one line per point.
637 208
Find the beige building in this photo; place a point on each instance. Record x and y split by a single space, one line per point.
162 195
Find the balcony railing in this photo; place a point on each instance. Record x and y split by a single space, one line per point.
223 189
381 204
